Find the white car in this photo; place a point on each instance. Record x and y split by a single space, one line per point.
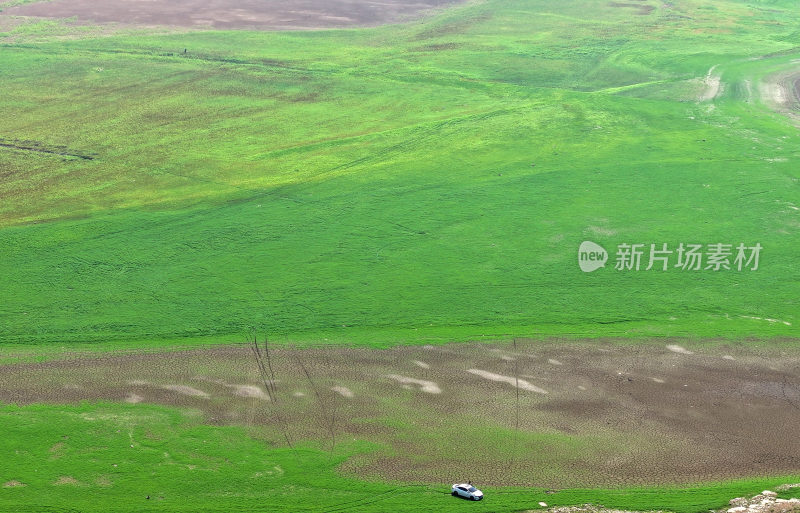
467 491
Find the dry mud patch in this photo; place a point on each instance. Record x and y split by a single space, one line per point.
233 14
614 413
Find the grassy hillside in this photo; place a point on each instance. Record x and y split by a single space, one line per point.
414 182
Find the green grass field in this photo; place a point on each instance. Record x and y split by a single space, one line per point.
350 184
413 183
110 458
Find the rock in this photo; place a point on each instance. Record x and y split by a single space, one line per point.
737 509
768 493
543 504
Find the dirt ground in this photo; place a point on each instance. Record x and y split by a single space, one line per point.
233 14
781 92
630 414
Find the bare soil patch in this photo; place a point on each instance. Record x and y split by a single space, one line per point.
675 348
711 86
343 391
649 414
781 92
426 386
134 398
250 391
234 14
641 9
66 480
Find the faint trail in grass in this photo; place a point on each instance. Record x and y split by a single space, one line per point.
712 85
34 147
367 501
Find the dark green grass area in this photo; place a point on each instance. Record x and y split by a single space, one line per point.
116 456
431 180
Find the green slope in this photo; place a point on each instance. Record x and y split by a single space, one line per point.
414 182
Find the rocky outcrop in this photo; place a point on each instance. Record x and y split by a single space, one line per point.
765 502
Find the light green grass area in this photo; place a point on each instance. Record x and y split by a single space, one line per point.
110 458
434 178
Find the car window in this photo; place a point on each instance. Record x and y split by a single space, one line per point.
472 488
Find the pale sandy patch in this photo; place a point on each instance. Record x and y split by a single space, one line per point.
421 364
728 357
186 390
13 484
299 394
521 383
773 321
276 470
712 86
599 230
429 387
253 391
774 92
678 349
249 391
138 382
553 361
133 398
657 380
66 480
343 391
